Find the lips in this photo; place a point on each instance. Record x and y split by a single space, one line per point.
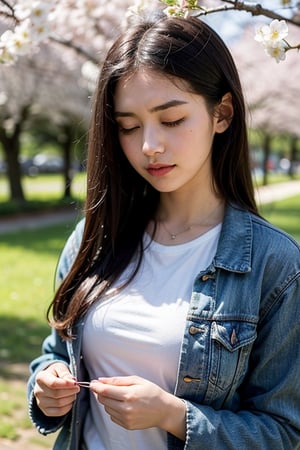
159 170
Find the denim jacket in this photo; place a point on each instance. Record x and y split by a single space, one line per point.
239 368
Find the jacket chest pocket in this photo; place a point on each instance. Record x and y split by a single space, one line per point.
231 343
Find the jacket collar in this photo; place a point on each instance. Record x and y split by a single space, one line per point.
235 244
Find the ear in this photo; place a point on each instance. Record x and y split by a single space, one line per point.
224 113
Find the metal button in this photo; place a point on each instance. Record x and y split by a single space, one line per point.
205 277
194 330
188 379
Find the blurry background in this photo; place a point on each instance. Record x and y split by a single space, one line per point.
45 103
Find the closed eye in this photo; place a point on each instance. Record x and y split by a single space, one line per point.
124 130
173 123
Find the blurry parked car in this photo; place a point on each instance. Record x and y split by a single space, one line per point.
3 167
48 164
28 167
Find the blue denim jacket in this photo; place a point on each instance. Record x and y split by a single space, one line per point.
239 370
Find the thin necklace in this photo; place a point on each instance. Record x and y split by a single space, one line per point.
174 235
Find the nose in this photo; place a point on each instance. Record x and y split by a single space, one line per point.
152 142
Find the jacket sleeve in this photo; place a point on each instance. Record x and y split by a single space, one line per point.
269 412
54 349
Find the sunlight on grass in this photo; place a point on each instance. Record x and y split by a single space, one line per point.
28 269
45 187
28 273
8 430
285 214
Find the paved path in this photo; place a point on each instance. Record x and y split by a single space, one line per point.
34 221
279 191
265 194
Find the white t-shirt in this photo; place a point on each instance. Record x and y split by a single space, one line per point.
139 332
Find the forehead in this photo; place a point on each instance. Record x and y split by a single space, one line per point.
148 86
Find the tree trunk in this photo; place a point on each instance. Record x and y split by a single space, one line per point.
67 146
293 156
267 152
11 147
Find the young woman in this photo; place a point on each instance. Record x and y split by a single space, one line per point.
177 301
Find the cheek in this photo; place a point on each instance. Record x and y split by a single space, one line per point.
125 146
130 151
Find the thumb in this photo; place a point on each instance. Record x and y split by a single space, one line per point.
121 381
61 370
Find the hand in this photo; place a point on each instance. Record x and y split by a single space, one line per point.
55 390
135 403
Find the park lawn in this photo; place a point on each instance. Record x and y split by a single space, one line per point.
27 269
28 262
43 192
285 214
28 265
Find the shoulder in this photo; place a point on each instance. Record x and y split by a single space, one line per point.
263 233
273 238
69 252
275 254
249 242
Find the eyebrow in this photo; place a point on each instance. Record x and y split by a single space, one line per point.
157 108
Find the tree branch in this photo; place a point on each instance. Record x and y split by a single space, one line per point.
11 13
79 50
255 10
293 47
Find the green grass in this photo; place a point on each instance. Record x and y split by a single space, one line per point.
285 214
274 178
43 192
27 271
28 262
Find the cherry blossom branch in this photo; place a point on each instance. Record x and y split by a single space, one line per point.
272 36
255 10
258 10
292 47
33 26
79 50
11 13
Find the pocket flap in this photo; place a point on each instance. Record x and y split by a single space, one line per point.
234 334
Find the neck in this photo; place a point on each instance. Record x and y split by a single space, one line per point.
181 209
180 220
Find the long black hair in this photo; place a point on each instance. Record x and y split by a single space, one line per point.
119 202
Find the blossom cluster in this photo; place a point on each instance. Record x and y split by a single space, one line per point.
273 38
33 26
87 23
93 22
181 8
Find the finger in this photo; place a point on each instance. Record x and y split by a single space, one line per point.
45 391
115 392
60 370
49 401
55 408
120 381
47 379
